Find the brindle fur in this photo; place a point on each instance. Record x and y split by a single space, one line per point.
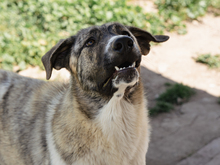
48 123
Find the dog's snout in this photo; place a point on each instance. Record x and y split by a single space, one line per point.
123 44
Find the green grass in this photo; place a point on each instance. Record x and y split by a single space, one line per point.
213 61
160 107
174 95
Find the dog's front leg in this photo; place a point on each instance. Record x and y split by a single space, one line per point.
139 157
138 160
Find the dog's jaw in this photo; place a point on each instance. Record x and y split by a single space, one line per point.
121 82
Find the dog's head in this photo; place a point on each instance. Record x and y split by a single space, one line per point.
102 57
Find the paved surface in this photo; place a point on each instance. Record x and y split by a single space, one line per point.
187 136
190 135
208 155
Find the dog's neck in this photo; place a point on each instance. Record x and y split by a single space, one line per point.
90 102
114 121
87 101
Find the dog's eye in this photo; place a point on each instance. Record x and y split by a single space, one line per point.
125 33
90 42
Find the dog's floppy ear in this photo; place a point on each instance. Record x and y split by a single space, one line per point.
143 38
58 56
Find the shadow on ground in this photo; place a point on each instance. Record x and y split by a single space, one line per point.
186 136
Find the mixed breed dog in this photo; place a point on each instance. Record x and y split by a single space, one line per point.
98 118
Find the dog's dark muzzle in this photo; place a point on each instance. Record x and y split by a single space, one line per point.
125 59
124 52
123 45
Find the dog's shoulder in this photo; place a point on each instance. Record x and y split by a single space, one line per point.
18 91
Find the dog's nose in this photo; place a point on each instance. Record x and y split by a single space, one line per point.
123 44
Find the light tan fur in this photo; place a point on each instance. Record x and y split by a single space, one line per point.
99 117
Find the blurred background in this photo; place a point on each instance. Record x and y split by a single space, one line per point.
181 76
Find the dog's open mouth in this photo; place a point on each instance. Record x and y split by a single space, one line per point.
124 69
125 72
124 66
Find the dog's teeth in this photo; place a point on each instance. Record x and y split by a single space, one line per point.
116 68
133 65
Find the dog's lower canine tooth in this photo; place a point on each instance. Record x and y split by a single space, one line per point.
133 65
116 68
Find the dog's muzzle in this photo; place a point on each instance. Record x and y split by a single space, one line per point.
125 60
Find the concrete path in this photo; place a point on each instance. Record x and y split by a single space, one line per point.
178 138
189 135
208 155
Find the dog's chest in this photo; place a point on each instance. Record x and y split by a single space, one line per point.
112 137
118 121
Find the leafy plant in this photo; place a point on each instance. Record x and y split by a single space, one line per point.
29 28
155 24
176 12
214 7
208 59
175 94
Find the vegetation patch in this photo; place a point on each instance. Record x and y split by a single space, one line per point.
175 13
174 95
214 7
213 61
29 28
160 107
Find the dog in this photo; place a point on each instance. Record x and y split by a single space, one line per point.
99 117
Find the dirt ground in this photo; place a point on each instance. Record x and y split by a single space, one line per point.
188 135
